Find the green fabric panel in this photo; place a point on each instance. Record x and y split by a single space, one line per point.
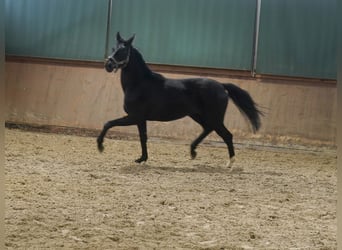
216 33
68 29
298 38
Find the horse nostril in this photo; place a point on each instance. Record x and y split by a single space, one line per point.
109 66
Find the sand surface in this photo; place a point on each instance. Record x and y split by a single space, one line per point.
61 193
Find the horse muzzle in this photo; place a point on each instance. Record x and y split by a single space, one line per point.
111 66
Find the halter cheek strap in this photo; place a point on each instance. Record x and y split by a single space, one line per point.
122 63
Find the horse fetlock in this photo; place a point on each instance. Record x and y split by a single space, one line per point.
193 154
230 162
142 159
100 147
100 144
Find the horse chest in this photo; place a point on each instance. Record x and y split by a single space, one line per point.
133 102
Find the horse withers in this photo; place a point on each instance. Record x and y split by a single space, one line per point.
149 96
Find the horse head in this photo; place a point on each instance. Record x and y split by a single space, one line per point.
120 54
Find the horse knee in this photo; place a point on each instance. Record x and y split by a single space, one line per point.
107 126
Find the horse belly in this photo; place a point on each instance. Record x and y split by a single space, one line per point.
167 113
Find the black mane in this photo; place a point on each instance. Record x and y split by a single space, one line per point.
138 59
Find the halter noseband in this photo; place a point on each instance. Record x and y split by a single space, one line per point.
123 63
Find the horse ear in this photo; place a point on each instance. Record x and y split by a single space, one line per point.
129 41
119 38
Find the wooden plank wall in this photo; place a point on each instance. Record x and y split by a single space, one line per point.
87 97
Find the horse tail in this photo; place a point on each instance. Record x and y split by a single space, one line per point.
245 103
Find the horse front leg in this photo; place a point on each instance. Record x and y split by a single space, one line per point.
143 140
124 121
197 141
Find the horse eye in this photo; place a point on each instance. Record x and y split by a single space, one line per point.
113 49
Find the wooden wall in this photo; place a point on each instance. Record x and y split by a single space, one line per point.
86 97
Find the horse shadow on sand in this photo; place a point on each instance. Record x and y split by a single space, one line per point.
178 168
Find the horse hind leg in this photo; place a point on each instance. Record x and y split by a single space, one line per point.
230 162
227 137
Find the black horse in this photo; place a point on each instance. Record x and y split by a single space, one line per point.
149 96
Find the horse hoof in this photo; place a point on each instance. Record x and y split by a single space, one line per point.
100 147
193 154
141 160
230 162
99 144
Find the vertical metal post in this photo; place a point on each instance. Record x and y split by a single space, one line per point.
109 21
256 37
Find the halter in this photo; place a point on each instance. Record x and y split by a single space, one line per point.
123 63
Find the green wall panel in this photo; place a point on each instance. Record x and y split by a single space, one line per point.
216 33
68 29
298 38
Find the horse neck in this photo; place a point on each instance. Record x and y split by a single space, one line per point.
135 71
